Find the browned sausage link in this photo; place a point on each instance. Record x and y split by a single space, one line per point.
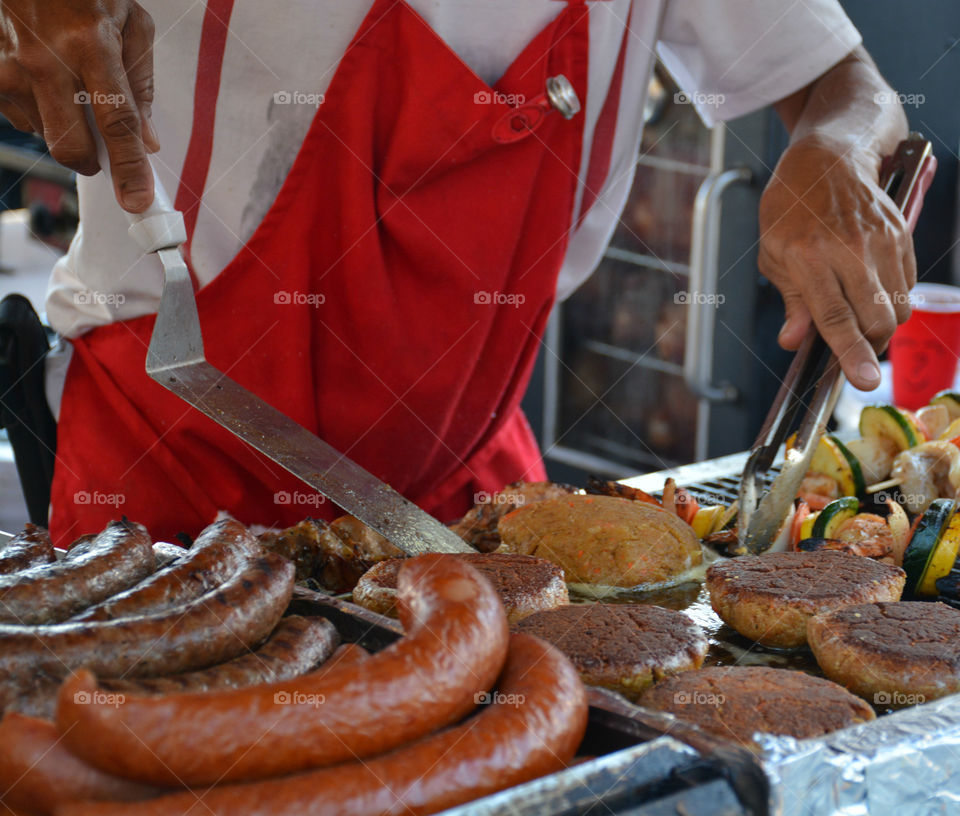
213 557
116 559
296 646
455 648
215 627
536 721
37 772
30 548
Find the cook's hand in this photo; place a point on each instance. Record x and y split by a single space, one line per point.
838 249
55 55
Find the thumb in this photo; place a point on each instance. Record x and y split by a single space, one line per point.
138 64
797 322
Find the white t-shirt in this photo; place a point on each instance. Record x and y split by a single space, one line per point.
747 52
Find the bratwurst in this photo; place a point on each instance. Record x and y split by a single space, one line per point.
455 647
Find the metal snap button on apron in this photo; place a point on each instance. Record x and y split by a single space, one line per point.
522 120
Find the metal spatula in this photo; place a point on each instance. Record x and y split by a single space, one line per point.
175 360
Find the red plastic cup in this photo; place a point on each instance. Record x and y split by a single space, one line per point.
925 349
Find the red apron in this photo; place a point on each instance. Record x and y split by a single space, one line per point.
392 300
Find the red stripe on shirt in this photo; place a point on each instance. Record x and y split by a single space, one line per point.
196 164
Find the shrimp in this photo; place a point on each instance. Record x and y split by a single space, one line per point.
928 471
866 534
818 490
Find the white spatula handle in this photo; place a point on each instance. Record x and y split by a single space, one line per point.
160 226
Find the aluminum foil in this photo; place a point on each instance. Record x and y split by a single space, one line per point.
904 763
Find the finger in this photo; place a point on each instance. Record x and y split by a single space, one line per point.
22 113
64 127
118 121
838 324
138 62
797 322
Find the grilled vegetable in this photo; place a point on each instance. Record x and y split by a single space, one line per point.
829 519
889 422
949 400
924 552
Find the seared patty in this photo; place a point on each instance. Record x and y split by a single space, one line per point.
892 654
603 539
769 598
525 584
734 702
624 647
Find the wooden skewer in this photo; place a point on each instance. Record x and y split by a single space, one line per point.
883 485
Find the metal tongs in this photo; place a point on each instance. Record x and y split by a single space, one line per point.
905 177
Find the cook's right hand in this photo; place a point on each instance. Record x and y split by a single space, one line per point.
58 55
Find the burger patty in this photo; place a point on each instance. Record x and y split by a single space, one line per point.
769 598
892 654
603 539
525 584
734 702
624 647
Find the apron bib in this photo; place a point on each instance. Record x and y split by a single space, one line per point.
392 300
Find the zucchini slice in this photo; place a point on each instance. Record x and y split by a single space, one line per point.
949 400
923 545
891 423
806 528
941 559
832 458
833 515
951 432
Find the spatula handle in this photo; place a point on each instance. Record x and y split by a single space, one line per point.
160 226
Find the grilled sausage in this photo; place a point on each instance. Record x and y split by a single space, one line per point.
533 727
31 548
296 645
215 627
455 647
116 559
37 772
213 557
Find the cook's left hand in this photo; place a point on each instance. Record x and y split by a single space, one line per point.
838 250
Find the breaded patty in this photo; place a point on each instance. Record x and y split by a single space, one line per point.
479 526
525 584
769 598
603 539
891 654
734 702
624 647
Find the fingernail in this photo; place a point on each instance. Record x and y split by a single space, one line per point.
134 199
869 373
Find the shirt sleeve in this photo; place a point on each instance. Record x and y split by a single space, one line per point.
732 57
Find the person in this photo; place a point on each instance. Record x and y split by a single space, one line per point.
384 199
